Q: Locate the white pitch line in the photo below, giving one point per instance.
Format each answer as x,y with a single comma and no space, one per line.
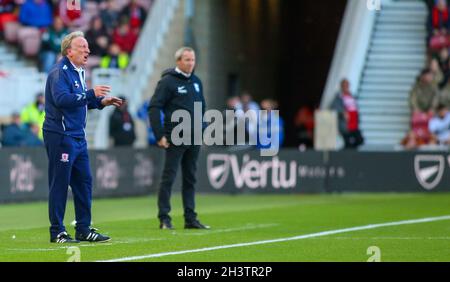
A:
306,236
216,231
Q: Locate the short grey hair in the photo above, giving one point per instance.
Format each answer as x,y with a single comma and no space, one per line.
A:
179,53
67,41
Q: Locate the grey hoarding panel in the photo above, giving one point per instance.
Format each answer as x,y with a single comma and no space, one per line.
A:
124,171
23,175
247,172
115,172
391,171
129,172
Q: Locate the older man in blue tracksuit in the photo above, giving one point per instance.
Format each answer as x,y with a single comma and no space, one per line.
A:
67,102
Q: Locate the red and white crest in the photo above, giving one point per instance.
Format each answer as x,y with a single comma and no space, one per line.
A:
65,158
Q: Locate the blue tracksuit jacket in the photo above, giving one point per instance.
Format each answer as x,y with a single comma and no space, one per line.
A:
66,102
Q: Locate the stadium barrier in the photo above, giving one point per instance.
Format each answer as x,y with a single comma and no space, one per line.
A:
132,172
116,173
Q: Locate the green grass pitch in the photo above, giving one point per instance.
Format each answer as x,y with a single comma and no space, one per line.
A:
133,226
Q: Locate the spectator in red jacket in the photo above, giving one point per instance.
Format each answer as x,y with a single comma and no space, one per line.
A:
304,126
348,116
419,134
440,17
7,12
71,16
125,37
134,13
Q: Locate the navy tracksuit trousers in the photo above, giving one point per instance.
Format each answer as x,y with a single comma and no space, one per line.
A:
187,156
68,165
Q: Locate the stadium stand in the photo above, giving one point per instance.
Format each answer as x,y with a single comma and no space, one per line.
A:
381,53
26,38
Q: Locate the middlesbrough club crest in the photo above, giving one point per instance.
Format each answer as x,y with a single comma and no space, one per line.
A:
65,158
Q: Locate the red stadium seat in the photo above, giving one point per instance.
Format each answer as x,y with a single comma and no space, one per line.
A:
31,46
30,40
27,32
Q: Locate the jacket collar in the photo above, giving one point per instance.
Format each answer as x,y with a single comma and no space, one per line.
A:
183,73
69,64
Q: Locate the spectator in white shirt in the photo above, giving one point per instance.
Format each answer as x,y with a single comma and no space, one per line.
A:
439,125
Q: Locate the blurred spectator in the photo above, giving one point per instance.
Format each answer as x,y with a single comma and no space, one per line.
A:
444,64
13,134
134,14
424,95
348,116
439,125
7,6
37,13
115,59
440,17
444,96
34,113
31,138
72,17
143,115
247,103
419,134
443,60
7,12
51,44
438,26
98,38
125,37
265,129
304,126
230,122
73,13
436,71
110,16
121,126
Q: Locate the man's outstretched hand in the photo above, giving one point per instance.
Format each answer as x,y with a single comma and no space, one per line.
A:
163,143
112,101
102,90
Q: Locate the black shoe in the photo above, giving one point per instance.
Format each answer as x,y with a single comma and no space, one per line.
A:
63,238
92,236
165,224
195,225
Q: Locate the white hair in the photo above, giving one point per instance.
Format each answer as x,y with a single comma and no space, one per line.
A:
179,53
67,41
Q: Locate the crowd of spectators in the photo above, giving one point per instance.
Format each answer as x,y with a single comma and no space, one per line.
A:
112,28
429,98
25,128
260,128
37,28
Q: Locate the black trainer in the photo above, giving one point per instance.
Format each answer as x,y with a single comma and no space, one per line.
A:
195,225
165,224
92,236
63,238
